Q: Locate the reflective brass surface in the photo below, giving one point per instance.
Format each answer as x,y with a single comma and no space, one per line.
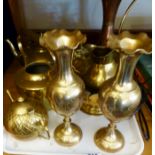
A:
66,90
67,134
29,51
26,119
131,43
32,81
58,39
95,64
120,96
109,140
91,104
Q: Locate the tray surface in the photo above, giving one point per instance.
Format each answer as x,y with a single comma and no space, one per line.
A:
89,124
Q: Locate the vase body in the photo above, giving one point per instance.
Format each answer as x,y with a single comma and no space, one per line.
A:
66,89
120,96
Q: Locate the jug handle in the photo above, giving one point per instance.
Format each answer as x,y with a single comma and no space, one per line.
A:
13,50
125,14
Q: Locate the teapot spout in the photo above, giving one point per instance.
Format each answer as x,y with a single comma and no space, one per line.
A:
13,50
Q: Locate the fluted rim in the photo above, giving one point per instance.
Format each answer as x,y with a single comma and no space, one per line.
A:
60,38
131,43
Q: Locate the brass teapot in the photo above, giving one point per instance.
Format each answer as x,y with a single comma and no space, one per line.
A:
30,51
26,119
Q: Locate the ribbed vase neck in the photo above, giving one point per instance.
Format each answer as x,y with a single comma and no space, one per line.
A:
64,64
127,64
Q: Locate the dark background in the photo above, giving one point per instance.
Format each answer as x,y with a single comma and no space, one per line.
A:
8,32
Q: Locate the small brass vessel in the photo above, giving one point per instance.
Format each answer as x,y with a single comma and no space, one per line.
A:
26,119
95,64
66,90
32,81
119,97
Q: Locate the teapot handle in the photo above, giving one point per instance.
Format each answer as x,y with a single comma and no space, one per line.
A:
13,50
10,96
125,14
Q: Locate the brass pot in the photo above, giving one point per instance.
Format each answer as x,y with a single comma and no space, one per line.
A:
32,81
95,64
26,119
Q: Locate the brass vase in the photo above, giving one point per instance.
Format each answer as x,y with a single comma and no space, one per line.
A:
66,90
120,96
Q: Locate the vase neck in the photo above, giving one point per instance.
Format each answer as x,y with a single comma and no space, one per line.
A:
110,8
127,64
64,64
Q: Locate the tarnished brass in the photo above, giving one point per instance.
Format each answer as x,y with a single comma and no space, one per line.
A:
120,96
110,8
26,119
32,81
97,65
66,90
29,51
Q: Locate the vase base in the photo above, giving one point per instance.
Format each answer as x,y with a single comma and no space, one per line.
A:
91,105
107,142
68,136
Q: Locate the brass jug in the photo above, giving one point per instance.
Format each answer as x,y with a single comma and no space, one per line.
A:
30,51
95,64
103,67
26,119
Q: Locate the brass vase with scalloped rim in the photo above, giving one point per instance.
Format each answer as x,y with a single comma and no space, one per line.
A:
119,97
66,90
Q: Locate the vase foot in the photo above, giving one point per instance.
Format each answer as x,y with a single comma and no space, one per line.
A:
91,106
68,136
109,142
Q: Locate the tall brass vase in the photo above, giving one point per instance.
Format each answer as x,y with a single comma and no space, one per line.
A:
66,89
120,96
